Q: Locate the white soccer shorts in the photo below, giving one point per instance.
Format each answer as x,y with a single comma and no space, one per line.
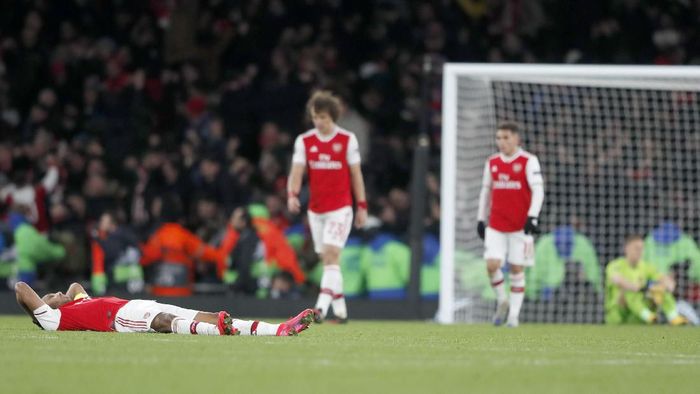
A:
330,228
517,248
137,315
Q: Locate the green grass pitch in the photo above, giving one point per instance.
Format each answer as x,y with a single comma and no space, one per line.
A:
360,357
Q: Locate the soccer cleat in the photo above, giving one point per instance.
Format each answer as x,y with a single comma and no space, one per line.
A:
678,321
225,324
501,313
318,316
513,323
296,324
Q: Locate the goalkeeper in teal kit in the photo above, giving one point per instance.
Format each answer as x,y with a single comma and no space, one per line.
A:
635,292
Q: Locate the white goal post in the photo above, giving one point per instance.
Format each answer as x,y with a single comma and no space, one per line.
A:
619,147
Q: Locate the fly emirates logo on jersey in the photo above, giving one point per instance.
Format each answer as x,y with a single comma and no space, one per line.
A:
325,162
504,182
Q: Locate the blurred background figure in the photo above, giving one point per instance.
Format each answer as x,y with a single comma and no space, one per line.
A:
31,247
115,257
170,254
245,250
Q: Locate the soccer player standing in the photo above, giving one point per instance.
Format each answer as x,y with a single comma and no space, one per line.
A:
332,157
514,188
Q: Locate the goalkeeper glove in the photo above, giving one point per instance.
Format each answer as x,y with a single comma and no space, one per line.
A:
481,229
655,292
531,225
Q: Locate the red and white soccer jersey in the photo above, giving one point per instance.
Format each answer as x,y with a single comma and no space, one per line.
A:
328,159
510,180
85,314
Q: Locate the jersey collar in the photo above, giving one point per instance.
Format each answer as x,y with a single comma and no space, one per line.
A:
326,138
508,159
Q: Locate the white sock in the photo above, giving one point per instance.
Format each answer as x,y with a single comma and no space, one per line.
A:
193,327
339,308
255,327
331,276
497,282
517,293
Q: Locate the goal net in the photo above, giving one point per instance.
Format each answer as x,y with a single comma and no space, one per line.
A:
619,148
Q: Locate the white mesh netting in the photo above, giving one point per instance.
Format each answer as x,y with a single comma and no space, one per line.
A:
620,155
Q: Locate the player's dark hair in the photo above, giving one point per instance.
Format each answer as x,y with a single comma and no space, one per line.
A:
632,238
510,126
324,101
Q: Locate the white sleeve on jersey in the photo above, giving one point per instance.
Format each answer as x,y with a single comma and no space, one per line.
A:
536,182
299,156
353,151
485,195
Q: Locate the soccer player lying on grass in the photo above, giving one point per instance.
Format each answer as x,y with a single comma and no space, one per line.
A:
76,311
635,292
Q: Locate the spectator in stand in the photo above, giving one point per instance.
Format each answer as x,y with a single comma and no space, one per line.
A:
244,249
115,257
31,247
171,252
23,191
278,253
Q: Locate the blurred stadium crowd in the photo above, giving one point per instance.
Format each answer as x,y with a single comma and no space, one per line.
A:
167,111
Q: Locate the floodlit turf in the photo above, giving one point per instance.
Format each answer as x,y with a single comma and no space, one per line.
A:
361,357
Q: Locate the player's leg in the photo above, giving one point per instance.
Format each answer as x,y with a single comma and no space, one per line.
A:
325,296
329,232
494,254
245,327
222,321
517,293
169,323
293,326
638,306
520,247
335,235
150,316
332,284
668,306
614,315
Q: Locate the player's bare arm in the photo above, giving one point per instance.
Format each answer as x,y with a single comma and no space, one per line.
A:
624,284
75,289
358,189
28,299
296,176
